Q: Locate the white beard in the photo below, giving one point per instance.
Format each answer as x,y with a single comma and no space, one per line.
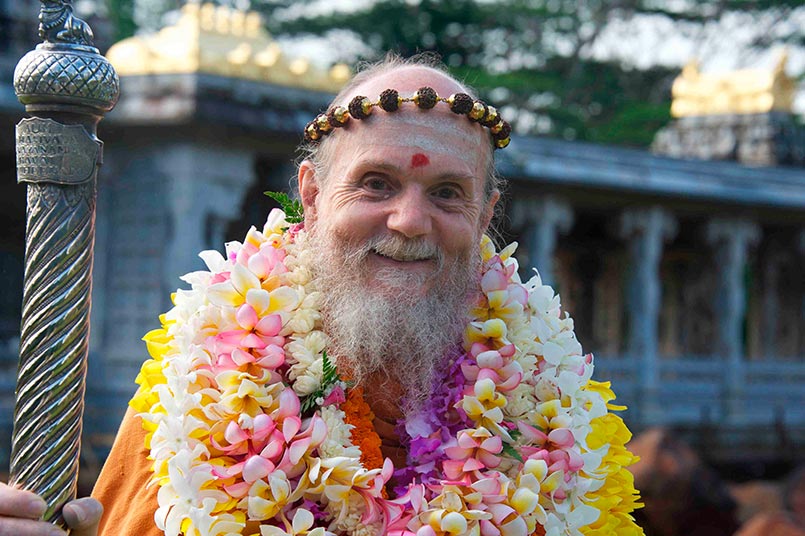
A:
390,330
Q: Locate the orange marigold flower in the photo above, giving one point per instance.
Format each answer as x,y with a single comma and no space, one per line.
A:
359,414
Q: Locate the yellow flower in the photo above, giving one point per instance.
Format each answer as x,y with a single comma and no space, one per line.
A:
151,375
265,500
604,389
485,407
487,248
617,497
241,394
494,328
450,513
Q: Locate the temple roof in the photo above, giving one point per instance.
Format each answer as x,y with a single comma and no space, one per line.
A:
738,92
586,165
221,41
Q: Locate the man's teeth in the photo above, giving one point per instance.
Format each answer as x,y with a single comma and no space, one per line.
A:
401,258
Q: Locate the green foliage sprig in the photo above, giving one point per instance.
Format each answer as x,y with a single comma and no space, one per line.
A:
329,379
509,449
511,452
294,213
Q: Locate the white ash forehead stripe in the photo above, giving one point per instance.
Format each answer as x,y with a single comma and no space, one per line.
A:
447,142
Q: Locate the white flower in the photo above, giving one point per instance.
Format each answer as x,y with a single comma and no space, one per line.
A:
307,384
520,401
302,321
305,350
306,358
302,522
214,260
213,524
275,222
300,276
338,442
348,517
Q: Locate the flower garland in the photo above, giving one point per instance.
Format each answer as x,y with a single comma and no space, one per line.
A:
251,431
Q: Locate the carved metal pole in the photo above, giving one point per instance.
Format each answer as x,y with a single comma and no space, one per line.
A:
66,87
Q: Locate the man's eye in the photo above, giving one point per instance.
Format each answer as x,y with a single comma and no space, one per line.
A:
447,193
377,184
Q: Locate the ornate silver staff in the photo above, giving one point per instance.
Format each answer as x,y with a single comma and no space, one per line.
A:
66,87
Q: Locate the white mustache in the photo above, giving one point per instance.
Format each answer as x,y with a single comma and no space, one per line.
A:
399,248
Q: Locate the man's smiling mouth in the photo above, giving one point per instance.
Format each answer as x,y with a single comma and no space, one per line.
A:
402,257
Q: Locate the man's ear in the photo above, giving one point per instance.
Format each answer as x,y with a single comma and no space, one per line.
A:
489,209
308,189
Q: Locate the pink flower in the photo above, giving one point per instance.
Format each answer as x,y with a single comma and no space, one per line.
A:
256,450
532,434
474,450
336,396
568,461
494,280
267,262
300,444
562,438
496,365
258,341
294,229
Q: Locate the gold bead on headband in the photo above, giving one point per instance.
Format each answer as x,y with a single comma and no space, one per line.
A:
425,98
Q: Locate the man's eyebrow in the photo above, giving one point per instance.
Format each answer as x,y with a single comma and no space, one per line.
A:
455,177
379,164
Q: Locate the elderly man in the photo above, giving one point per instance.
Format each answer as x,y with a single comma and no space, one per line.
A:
397,194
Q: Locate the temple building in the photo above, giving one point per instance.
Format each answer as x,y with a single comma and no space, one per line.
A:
682,267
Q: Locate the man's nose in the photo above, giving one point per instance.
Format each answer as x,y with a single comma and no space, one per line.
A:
410,214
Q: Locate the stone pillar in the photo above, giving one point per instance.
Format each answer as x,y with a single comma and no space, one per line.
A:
801,248
206,191
646,229
543,220
731,239
167,202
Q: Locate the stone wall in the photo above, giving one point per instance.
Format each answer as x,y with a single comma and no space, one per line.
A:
769,139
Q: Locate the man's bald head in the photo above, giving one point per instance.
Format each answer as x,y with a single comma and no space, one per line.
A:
408,73
406,76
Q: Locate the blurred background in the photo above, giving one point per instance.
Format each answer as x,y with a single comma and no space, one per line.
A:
656,180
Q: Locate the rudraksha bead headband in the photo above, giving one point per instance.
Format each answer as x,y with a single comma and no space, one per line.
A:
425,98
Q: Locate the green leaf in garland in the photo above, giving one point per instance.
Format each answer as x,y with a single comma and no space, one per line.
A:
294,213
308,403
329,372
329,378
511,452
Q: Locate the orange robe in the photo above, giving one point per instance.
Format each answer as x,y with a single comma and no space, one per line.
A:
122,487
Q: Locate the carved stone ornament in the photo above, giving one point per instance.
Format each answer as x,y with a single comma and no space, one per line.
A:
57,24
219,40
66,68
48,151
739,92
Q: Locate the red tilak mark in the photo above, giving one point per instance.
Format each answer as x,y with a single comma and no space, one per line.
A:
419,160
